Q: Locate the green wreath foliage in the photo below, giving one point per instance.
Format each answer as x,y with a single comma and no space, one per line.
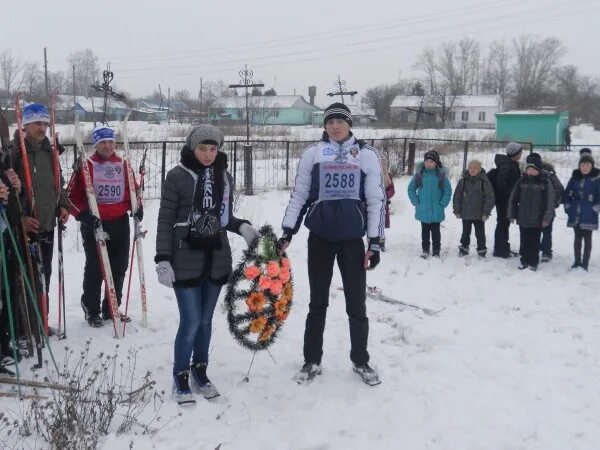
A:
259,293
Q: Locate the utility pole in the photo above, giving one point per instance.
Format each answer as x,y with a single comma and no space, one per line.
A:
340,85
74,97
46,75
169,106
246,82
106,88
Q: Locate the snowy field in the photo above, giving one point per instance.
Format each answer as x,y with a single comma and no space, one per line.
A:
511,363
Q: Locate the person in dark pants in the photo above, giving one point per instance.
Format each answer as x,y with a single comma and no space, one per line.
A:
531,203
339,185
50,205
507,175
582,205
430,192
473,202
548,169
110,178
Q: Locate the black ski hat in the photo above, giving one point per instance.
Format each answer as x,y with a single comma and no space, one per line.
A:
434,156
586,158
337,111
585,150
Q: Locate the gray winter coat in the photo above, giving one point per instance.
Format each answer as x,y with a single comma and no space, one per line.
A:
473,197
190,266
532,201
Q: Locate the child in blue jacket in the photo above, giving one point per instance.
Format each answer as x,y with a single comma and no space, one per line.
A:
430,192
582,205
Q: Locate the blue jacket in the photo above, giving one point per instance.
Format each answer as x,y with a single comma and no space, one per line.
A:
582,200
340,189
426,195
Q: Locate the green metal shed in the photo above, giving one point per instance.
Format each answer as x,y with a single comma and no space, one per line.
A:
545,126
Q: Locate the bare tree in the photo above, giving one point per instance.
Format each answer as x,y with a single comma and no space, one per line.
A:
380,98
535,62
58,82
10,68
86,70
32,81
496,70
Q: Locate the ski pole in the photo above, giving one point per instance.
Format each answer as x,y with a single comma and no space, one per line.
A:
44,335
11,324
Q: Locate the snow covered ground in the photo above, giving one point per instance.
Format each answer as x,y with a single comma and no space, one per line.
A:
511,363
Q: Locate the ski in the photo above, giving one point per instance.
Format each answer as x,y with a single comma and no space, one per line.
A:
135,196
62,324
377,294
100,235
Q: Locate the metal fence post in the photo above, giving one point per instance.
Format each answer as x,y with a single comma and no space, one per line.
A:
235,163
465,155
248,169
163,166
411,157
287,164
403,156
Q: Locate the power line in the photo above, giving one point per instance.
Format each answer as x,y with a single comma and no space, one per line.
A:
360,43
315,36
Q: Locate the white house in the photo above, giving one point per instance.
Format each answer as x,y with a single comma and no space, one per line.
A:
461,111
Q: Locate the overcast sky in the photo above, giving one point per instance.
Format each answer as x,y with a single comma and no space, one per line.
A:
289,45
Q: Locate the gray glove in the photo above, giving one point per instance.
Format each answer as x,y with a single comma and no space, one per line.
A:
165,273
249,233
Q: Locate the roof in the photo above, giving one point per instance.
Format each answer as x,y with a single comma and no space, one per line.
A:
265,101
468,101
544,111
65,103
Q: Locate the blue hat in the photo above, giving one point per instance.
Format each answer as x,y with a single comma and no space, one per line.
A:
34,112
102,134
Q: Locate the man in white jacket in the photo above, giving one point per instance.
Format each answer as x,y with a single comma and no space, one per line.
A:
339,185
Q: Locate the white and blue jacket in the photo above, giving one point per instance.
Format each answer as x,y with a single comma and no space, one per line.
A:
340,188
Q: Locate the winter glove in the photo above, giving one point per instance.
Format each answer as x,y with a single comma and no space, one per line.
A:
87,218
284,240
485,217
374,258
165,273
249,233
139,214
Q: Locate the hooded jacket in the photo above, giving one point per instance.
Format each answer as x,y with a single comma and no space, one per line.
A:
430,192
582,200
473,196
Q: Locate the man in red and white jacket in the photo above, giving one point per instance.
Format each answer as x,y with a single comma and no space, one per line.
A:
109,175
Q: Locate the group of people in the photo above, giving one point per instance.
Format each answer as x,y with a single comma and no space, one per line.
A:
527,195
342,192
37,208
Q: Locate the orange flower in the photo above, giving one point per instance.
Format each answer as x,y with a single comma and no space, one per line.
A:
281,316
256,301
276,287
285,263
281,309
284,275
264,283
288,290
258,324
272,269
267,333
251,272
284,299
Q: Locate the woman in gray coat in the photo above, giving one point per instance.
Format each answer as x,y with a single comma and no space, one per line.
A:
192,251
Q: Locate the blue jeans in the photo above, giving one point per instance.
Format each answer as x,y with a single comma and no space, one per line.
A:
196,308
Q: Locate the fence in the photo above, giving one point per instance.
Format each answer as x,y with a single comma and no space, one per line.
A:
273,162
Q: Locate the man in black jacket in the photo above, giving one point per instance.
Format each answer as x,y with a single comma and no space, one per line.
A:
507,175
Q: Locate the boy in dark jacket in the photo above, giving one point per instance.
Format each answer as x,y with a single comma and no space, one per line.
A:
507,175
531,203
582,205
548,169
473,202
